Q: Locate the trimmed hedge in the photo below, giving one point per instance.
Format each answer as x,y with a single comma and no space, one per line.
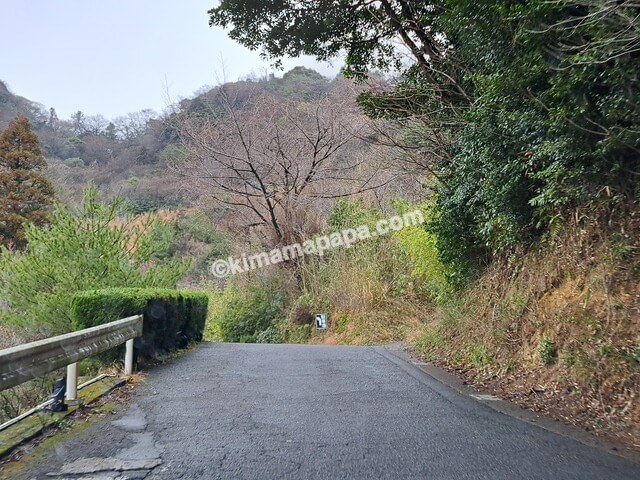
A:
172,318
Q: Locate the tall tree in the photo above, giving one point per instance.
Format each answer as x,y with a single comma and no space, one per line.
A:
25,193
272,160
111,132
53,118
78,120
367,32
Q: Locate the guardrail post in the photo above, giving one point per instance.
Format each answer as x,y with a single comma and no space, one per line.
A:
72,382
128,358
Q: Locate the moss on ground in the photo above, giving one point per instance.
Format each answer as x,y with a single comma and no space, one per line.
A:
34,425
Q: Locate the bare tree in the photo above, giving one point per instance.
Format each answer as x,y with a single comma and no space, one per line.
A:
94,125
272,159
134,124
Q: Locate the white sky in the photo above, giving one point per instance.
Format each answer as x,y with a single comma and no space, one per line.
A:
116,56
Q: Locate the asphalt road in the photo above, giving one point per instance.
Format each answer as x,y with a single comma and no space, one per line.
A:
326,412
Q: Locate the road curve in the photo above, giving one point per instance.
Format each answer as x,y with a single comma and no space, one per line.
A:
304,411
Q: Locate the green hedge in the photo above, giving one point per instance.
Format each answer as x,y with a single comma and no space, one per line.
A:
172,318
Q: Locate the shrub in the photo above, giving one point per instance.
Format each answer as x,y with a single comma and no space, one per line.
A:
217,305
145,202
301,315
302,311
291,333
351,214
548,351
407,264
242,314
85,247
74,162
198,238
420,251
200,227
172,318
271,335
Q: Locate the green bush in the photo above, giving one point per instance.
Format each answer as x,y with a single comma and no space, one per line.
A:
150,202
271,335
242,314
548,351
419,249
407,265
197,237
292,333
74,162
87,246
283,331
172,318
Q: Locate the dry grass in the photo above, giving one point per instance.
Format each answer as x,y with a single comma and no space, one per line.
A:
9,337
557,330
356,288
141,224
394,322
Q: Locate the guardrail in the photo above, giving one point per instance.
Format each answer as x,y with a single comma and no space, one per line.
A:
32,360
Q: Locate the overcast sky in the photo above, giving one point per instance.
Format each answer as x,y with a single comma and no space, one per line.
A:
117,56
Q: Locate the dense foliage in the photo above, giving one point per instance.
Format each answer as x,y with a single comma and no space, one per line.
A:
406,266
325,29
82,248
553,126
528,110
242,315
172,318
270,309
25,193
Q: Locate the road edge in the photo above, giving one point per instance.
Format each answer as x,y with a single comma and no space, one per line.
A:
397,352
32,427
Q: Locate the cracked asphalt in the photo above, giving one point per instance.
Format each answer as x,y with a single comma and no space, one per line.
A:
305,411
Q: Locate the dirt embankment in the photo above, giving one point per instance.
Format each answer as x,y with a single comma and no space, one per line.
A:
556,329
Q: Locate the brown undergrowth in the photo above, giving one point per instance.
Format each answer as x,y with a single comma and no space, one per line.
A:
556,329
394,322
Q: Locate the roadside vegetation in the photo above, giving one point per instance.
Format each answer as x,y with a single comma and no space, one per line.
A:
80,249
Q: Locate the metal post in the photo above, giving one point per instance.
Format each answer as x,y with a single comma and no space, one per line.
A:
128,358
72,382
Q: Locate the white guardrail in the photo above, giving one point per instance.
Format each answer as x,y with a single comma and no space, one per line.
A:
32,360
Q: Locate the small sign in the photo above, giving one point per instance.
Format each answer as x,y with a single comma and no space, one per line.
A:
321,321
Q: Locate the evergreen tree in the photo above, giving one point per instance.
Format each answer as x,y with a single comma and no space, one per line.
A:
111,131
25,193
78,119
53,118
